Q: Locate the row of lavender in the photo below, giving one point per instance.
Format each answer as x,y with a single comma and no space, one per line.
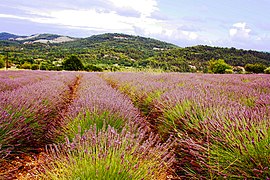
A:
90,130
221,122
29,111
10,80
106,138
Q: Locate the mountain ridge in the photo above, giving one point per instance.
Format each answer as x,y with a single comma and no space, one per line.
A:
36,38
7,36
47,36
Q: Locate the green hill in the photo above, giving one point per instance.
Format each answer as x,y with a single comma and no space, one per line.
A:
121,50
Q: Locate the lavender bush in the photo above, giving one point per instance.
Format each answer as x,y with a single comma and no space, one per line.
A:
29,115
112,141
100,104
221,122
10,137
222,128
106,154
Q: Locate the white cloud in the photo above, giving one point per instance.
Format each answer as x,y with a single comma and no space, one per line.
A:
144,7
243,37
172,23
190,35
241,25
92,19
111,21
167,32
12,16
109,16
240,31
89,18
113,16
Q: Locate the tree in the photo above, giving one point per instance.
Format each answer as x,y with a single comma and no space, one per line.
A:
73,63
2,62
255,68
218,66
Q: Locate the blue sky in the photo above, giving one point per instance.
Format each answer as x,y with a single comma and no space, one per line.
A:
242,24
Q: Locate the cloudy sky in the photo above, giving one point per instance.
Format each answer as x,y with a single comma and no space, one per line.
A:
232,23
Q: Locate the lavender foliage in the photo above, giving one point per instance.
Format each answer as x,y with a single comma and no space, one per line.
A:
98,103
106,154
221,122
29,114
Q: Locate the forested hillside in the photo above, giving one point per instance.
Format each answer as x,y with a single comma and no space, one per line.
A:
199,56
113,51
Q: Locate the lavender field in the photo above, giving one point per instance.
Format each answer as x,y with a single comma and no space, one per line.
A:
76,125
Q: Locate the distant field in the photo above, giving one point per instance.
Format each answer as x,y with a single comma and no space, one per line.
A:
75,125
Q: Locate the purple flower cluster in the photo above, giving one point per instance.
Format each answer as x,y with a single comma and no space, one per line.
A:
29,114
10,80
221,122
127,150
107,154
94,98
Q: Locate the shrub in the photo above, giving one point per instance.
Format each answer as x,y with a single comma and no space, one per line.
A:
91,67
26,65
255,68
35,67
218,66
228,71
114,68
267,70
43,66
2,63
